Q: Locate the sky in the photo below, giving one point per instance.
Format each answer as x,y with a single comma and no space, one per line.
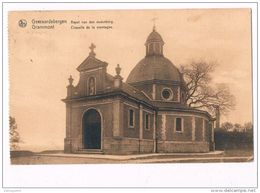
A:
41,60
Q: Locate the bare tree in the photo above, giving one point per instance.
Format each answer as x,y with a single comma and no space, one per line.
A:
201,94
13,134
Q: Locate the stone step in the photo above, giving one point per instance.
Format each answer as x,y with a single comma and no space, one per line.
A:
90,151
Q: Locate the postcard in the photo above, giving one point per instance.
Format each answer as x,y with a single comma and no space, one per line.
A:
130,88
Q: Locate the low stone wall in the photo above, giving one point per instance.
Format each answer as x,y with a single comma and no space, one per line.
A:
72,145
146,146
119,145
182,147
127,146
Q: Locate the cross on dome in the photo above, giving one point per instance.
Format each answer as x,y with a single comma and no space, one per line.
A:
154,22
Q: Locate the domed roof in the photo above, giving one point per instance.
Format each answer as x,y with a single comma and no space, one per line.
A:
154,67
154,36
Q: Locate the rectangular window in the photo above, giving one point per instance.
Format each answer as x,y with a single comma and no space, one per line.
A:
147,121
178,125
131,118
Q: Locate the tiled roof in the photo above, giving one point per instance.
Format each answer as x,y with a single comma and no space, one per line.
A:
154,36
134,92
154,67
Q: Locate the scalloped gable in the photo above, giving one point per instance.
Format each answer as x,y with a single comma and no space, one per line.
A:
91,63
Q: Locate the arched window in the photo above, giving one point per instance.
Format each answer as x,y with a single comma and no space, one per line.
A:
91,86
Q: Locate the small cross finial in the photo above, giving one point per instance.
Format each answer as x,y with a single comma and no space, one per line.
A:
154,22
92,47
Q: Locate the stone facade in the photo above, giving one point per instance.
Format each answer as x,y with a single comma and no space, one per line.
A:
105,114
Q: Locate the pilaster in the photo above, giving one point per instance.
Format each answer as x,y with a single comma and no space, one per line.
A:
154,132
116,118
203,130
163,127
193,128
141,122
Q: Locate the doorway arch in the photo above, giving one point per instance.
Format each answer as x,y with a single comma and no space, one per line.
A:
91,127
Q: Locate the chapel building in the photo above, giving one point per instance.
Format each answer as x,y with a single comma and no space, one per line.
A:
146,114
